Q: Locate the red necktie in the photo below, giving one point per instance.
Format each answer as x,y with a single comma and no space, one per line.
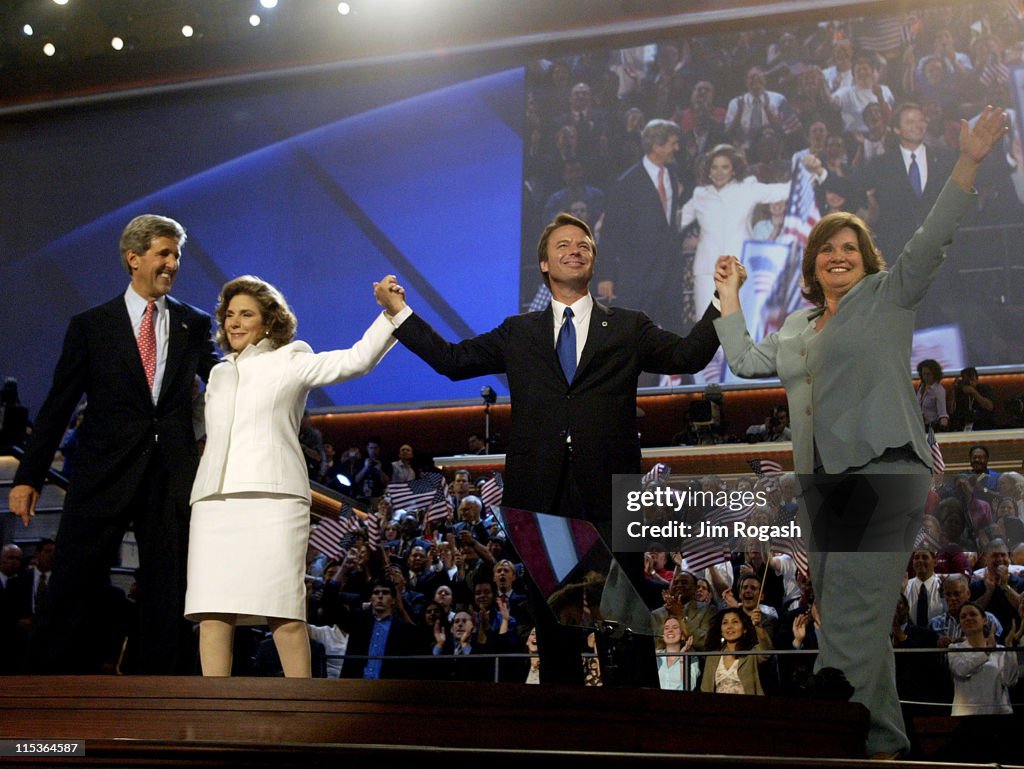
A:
147,343
662,193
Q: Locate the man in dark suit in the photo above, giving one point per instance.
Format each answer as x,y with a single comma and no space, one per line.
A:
136,358
381,633
642,265
903,185
15,604
574,421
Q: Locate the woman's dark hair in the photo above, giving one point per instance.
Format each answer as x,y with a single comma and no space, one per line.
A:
735,156
929,364
746,642
828,226
443,616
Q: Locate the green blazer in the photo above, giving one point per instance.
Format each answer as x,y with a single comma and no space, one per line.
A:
849,386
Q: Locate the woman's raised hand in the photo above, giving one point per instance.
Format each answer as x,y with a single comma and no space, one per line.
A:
389,294
977,141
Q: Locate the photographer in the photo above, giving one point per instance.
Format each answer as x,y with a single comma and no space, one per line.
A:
775,427
972,407
371,478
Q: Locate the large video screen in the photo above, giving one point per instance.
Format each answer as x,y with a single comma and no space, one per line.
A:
811,117
444,172
320,183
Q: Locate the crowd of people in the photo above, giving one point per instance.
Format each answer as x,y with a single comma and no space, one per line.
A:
434,587
732,123
453,591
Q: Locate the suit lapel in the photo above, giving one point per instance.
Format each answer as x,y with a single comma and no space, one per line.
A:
543,340
651,190
177,340
597,335
935,177
123,336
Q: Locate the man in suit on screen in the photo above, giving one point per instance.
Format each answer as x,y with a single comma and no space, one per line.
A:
643,263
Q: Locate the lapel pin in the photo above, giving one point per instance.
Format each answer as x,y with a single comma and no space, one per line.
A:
604,324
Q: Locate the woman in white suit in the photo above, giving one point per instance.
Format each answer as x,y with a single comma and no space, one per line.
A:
250,500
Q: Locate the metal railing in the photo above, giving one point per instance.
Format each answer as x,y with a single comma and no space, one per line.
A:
687,658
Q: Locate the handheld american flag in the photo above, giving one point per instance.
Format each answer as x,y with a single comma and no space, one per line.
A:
413,495
659,472
765,468
492,490
332,536
440,507
795,548
938,463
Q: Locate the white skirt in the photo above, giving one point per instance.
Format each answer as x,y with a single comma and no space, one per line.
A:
247,557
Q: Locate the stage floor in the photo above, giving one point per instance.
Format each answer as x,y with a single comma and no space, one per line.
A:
158,721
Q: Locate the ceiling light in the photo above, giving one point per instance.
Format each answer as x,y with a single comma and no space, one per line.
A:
255,20
268,3
116,43
187,30
344,9
61,2
27,30
49,49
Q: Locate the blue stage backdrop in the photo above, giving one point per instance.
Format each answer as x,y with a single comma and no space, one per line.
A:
319,186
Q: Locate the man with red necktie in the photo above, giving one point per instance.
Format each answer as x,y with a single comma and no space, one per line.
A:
135,358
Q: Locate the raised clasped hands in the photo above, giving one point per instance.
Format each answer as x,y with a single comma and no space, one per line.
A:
977,141
389,294
729,276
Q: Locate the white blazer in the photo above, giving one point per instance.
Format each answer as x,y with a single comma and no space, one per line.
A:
254,403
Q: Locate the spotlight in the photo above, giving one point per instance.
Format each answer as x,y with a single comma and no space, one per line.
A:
488,394
187,30
344,9
27,30
255,20
116,43
49,49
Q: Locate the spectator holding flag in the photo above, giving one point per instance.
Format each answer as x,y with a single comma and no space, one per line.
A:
250,500
869,427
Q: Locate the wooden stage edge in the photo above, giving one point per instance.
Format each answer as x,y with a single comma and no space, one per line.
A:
156,721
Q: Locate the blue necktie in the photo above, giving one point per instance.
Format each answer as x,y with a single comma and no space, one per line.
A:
915,175
566,346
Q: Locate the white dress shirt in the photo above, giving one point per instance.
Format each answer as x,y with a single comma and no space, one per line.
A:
921,156
654,170
581,309
161,325
936,603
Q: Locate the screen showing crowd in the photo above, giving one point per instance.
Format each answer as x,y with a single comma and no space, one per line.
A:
776,127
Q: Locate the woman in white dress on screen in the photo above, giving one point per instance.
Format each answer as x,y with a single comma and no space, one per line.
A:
250,500
722,205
